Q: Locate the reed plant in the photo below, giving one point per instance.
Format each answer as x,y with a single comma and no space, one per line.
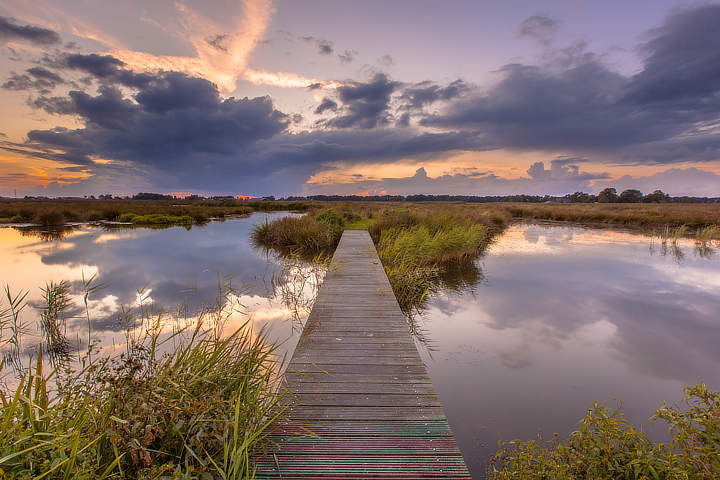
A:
180,402
416,243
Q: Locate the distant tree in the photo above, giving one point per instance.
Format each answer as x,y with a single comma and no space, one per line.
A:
609,195
631,196
579,197
658,196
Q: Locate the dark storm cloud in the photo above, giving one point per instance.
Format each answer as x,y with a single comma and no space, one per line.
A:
102,67
579,104
183,134
10,30
682,63
365,105
425,93
327,104
175,122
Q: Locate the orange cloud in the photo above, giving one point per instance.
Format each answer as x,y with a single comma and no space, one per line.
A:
220,58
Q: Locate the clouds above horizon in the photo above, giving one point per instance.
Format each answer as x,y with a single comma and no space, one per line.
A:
176,125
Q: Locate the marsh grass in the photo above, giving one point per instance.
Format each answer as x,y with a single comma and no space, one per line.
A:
648,216
416,243
606,446
182,401
55,213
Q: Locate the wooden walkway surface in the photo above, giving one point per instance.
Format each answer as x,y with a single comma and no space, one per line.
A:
359,386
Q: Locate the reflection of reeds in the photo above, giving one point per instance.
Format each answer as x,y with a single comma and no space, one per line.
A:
669,238
56,300
11,319
298,284
422,248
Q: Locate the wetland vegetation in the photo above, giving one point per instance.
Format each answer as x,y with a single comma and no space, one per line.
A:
183,400
54,213
167,408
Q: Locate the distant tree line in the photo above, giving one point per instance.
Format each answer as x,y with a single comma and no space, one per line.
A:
609,195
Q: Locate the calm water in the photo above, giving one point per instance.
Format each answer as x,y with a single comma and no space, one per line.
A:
159,268
550,320
566,316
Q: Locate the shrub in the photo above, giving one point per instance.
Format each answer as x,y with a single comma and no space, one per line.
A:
606,446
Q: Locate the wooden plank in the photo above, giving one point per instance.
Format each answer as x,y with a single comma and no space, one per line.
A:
350,428
360,402
365,400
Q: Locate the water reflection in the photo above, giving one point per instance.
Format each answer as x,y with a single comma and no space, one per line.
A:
209,272
563,317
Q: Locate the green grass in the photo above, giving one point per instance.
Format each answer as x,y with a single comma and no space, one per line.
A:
362,224
199,410
156,219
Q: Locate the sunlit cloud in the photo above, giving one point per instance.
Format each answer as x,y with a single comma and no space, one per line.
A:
220,57
286,80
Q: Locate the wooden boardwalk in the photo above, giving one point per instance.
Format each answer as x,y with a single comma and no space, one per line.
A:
359,386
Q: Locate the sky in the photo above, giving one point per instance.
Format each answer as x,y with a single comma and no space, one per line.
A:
290,97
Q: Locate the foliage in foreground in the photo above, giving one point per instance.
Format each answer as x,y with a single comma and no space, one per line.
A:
196,412
607,447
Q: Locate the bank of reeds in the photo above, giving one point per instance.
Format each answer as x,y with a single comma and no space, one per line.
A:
606,446
416,244
53,213
190,403
644,215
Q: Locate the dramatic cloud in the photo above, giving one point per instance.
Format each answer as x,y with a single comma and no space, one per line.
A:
179,131
365,105
103,67
682,65
219,57
580,105
10,31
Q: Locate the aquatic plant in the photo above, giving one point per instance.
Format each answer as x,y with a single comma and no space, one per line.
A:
182,401
606,446
416,245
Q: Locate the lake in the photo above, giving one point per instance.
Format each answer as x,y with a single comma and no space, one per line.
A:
552,318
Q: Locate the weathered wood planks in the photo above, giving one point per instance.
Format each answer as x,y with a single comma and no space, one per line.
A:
362,404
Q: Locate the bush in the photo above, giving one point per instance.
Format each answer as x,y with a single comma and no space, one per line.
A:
605,446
